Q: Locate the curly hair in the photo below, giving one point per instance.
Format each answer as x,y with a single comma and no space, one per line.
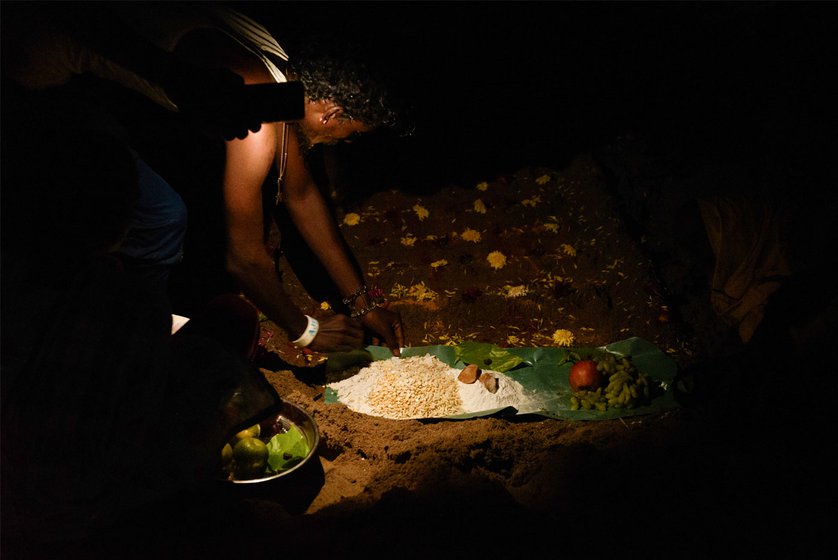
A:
346,74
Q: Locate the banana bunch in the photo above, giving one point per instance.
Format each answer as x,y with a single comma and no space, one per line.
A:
622,386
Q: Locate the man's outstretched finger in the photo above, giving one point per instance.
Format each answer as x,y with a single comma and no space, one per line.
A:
399,330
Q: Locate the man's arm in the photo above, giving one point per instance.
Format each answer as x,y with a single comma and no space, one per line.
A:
247,165
315,223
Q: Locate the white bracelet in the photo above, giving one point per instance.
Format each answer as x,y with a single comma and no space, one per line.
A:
308,334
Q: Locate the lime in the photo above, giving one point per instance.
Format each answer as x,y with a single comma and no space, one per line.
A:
226,455
250,456
253,431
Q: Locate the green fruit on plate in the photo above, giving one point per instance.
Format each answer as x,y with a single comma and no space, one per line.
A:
250,458
254,432
226,455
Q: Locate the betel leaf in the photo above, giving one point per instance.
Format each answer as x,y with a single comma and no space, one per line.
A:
287,449
487,356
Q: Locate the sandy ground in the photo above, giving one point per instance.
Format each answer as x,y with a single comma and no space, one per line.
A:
701,478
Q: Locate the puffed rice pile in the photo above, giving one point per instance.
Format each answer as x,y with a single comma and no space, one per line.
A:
402,388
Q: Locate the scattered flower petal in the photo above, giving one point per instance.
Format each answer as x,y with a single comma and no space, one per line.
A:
568,250
479,207
439,264
421,211
515,291
512,339
421,292
551,226
398,291
482,186
408,240
352,219
496,259
543,179
325,306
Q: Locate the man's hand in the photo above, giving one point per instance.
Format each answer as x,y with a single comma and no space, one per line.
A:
388,325
338,333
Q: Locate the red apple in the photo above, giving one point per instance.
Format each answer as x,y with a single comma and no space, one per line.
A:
584,376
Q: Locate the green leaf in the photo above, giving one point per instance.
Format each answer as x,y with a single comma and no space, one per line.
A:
288,449
544,374
487,356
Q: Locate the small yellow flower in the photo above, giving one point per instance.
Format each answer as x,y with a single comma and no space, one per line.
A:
471,235
496,259
482,186
439,264
544,179
551,226
479,207
563,337
568,250
421,211
352,219
325,306
408,240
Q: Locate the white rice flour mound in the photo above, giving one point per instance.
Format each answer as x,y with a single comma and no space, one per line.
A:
422,387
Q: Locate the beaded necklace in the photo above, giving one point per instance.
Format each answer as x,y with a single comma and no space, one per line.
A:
283,160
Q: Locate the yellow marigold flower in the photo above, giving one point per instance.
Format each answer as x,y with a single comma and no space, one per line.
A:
471,235
479,207
421,211
563,337
352,219
515,291
325,306
482,186
551,226
439,264
568,250
496,259
543,179
408,240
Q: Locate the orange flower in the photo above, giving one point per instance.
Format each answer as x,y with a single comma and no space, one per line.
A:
352,219
496,259
471,235
563,337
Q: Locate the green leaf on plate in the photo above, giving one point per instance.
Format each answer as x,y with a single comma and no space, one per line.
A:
487,356
286,450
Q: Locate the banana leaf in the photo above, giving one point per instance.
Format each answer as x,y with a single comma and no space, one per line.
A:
543,372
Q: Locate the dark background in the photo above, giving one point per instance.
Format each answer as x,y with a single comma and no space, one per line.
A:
497,85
